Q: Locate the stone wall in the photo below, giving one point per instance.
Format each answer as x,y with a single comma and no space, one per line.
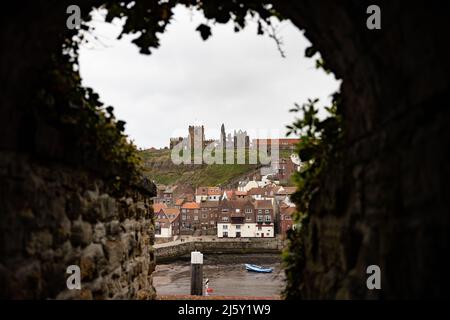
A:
168,251
52,217
387,202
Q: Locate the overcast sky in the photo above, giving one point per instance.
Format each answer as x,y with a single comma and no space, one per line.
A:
239,79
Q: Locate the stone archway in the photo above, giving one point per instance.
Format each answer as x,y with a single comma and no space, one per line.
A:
392,189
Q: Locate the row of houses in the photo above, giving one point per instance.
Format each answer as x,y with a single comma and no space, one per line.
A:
258,212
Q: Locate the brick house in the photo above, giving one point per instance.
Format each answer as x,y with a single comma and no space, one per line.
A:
286,219
209,212
165,195
190,217
166,222
265,218
208,194
173,214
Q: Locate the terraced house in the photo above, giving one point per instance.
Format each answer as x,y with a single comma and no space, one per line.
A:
190,218
246,218
167,222
208,194
209,212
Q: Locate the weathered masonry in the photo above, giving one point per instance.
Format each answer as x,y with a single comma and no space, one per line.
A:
53,217
167,251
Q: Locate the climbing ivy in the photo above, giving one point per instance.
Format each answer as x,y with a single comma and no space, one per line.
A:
318,148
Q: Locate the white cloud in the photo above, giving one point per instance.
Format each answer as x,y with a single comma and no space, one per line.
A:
238,79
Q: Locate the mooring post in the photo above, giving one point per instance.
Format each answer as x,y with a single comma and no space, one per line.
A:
196,273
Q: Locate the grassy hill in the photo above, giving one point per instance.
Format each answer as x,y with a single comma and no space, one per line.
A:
159,167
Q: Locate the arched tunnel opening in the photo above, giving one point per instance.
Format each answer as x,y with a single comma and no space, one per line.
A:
71,191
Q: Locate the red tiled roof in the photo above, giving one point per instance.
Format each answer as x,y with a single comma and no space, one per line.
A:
281,141
214,191
201,191
209,204
171,211
229,193
263,204
190,205
208,191
256,191
158,206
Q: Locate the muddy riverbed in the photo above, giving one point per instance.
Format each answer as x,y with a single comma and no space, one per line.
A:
226,273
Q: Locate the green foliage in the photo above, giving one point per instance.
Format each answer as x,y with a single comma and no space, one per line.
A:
310,52
148,18
318,148
95,137
159,167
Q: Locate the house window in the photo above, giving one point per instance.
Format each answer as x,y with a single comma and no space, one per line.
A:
248,210
212,222
238,227
259,211
183,217
204,216
259,228
195,218
260,218
225,227
267,218
267,211
224,218
248,219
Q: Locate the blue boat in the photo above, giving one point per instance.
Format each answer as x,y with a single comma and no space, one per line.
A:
255,268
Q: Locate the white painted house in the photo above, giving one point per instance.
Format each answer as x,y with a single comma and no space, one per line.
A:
246,230
165,229
246,219
208,194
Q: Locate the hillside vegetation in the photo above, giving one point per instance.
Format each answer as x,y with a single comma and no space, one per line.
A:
159,167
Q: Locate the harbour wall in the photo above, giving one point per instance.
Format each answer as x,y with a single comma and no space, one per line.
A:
170,251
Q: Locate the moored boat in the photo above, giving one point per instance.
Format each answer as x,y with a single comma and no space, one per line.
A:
255,268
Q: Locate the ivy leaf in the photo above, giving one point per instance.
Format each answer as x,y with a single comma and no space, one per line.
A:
310,52
205,31
120,125
260,28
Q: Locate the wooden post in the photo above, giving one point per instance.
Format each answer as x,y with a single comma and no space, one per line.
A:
196,273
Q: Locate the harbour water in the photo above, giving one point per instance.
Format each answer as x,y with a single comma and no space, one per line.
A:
227,276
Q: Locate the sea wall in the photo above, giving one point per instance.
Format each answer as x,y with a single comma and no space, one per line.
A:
169,251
